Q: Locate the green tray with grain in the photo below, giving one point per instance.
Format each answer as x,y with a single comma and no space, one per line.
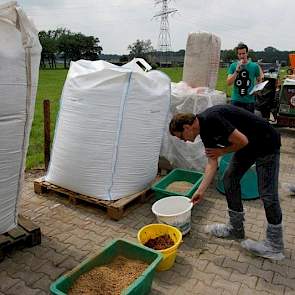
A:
178,175
118,247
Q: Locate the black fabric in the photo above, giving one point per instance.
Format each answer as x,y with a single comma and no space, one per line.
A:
246,106
218,122
265,100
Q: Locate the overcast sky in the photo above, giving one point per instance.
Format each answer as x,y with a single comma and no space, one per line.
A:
118,23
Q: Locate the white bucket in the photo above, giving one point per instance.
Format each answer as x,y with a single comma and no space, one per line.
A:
175,211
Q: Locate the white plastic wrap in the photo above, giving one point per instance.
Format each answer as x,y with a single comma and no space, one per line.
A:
19,68
109,130
185,99
201,61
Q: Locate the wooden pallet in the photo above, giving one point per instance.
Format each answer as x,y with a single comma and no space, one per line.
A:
26,234
115,209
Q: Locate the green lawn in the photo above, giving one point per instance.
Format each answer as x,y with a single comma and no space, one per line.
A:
175,75
50,87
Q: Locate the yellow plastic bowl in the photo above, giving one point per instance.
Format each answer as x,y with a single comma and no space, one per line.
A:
152,231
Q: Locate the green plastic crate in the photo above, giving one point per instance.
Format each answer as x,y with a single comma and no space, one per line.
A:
177,174
141,285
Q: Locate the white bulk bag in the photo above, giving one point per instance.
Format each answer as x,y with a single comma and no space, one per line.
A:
19,68
185,99
109,130
201,60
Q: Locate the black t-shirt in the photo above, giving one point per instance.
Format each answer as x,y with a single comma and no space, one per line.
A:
218,122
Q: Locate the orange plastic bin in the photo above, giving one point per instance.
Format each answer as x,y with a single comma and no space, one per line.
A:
292,60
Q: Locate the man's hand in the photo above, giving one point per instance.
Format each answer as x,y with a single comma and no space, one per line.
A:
210,170
197,198
238,68
237,139
213,153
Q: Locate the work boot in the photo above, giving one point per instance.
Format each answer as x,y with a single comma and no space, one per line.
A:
233,229
272,247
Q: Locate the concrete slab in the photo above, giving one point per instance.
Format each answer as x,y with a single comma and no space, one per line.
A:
204,265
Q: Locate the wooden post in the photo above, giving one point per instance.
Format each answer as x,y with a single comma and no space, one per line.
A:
46,113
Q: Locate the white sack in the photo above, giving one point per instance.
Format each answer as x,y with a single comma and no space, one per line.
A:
185,99
19,68
201,61
109,130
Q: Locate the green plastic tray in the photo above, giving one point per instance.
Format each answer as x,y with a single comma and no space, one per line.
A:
177,174
141,285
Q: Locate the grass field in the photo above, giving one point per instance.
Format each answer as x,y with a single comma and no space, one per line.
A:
50,87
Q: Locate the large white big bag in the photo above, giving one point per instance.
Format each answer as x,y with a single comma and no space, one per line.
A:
201,60
184,99
19,68
109,130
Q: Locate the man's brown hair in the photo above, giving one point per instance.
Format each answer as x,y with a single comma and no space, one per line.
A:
242,46
178,120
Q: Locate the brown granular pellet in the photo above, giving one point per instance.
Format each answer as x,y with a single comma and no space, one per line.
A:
109,279
179,186
160,243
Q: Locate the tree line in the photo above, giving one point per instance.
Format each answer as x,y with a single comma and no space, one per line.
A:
144,49
70,46
268,55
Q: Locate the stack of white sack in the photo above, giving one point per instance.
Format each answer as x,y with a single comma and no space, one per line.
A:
201,61
195,94
109,130
19,68
185,99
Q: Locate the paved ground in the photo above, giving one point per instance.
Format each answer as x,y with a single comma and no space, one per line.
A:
204,265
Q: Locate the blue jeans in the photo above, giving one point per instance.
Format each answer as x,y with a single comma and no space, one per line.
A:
246,106
267,168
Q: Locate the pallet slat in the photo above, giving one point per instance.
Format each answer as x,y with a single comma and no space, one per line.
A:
27,224
17,233
4,241
115,209
26,234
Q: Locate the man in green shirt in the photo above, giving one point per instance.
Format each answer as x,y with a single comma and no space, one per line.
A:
243,75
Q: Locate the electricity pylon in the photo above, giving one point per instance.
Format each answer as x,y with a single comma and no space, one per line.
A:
164,41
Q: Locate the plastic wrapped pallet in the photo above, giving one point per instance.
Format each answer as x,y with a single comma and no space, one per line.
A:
201,61
185,99
19,68
109,130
